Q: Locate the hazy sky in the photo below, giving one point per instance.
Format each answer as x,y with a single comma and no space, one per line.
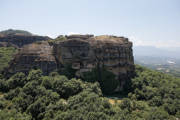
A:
145,22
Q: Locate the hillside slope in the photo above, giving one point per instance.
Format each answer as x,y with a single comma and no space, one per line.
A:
153,95
15,32
19,38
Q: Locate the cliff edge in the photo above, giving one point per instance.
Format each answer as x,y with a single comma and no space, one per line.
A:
82,52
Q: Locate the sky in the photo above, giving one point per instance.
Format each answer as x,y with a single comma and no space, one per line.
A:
144,22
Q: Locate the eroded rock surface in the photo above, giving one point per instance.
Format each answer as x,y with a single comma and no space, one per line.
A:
21,40
83,52
115,53
33,56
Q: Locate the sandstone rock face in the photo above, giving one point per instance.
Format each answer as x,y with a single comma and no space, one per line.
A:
33,56
6,44
87,52
83,52
21,40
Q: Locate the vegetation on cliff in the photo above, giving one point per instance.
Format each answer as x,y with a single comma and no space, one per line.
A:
59,38
6,55
153,96
105,78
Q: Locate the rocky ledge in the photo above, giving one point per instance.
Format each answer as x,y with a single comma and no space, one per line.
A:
21,40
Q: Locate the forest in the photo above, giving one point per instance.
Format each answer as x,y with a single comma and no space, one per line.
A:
152,96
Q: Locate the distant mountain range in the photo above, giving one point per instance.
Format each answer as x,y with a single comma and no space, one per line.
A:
151,51
165,60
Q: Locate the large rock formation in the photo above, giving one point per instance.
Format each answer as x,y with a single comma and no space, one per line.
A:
115,53
21,40
83,52
87,52
33,56
6,44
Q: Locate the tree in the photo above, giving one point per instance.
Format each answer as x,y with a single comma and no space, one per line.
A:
17,80
158,114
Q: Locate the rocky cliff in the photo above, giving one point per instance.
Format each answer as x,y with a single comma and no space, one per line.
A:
33,56
15,32
21,40
82,52
88,52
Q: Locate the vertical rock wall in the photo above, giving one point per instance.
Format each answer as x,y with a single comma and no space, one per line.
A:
21,40
33,56
83,52
115,53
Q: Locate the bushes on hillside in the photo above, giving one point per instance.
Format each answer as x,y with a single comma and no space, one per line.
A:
157,89
45,97
106,79
154,96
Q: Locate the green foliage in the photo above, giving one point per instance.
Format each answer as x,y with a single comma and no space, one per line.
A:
3,85
58,39
157,89
17,80
15,32
108,82
68,71
35,75
158,114
42,97
86,105
106,79
13,115
66,87
154,96
6,55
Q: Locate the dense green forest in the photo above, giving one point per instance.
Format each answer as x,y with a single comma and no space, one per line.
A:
153,96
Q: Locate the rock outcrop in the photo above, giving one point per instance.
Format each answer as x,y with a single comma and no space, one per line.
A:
21,40
83,52
33,56
6,44
88,52
113,52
